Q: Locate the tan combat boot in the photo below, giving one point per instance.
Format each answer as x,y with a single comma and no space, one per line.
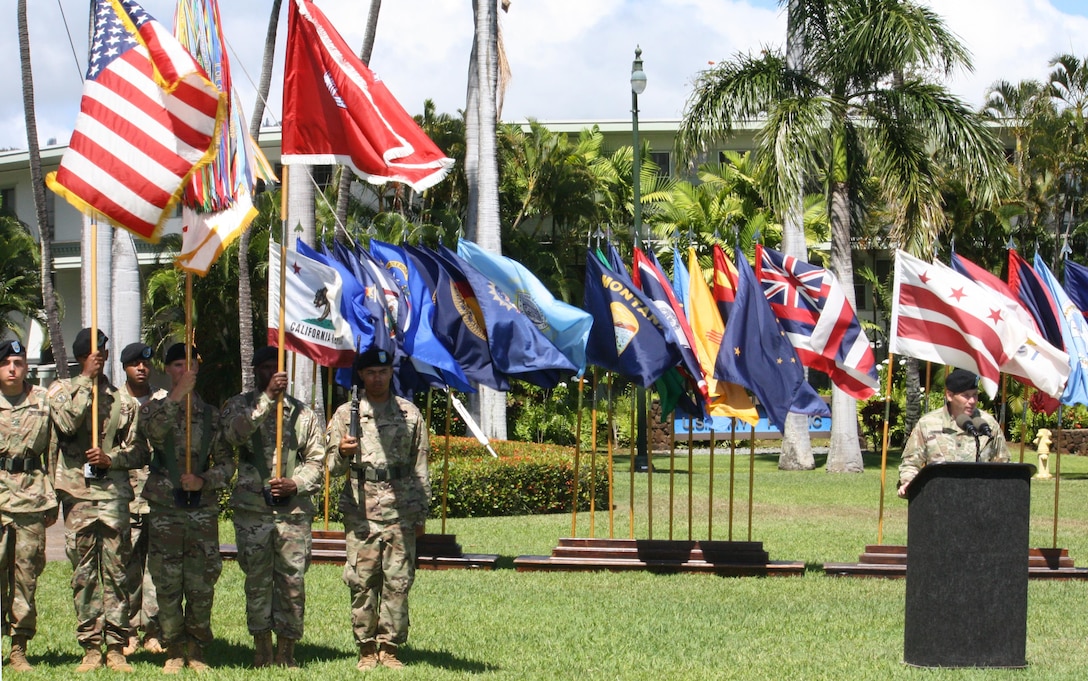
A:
175,659
285,652
368,656
153,645
17,661
115,658
262,649
92,660
387,653
196,658
132,646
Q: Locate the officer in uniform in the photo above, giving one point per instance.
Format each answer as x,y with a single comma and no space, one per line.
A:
384,505
143,612
27,502
939,436
273,512
183,555
95,498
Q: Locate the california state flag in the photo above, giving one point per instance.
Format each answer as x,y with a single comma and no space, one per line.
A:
313,324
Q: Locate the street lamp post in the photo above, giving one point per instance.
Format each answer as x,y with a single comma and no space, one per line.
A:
638,86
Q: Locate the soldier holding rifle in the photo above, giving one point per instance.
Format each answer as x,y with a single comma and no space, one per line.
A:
383,441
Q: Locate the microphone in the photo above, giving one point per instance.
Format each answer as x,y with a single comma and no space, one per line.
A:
965,423
980,424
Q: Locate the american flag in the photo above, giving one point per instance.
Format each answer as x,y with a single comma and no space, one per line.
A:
819,320
147,120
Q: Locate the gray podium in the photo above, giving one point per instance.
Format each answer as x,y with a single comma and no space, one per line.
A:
967,565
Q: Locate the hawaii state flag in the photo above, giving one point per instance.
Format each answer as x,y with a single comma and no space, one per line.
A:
335,110
821,323
314,325
148,120
939,315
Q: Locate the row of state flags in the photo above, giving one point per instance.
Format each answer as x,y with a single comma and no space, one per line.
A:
155,129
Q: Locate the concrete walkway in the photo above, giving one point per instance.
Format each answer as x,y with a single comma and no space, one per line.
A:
54,541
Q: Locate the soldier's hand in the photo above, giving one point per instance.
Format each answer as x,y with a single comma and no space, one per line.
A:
277,385
903,490
97,458
51,516
185,386
192,483
93,363
283,487
349,445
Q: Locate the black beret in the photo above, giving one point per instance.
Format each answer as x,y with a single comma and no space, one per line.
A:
960,380
81,346
177,351
269,352
373,358
134,352
11,347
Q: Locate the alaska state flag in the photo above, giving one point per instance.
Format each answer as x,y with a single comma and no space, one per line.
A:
627,337
756,353
566,326
1075,333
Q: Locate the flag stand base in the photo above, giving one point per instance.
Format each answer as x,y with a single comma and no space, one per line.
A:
722,558
890,561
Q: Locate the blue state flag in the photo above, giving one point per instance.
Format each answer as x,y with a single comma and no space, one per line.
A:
681,281
566,326
1076,285
757,354
627,336
518,348
458,322
419,340
373,298
614,260
1074,333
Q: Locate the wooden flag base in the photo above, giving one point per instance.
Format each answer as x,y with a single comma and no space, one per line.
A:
433,552
891,562
722,558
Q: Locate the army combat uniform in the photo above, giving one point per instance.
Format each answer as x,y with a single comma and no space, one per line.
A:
274,541
936,438
183,553
27,445
96,516
386,498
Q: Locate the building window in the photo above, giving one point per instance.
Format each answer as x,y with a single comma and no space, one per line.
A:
7,201
663,161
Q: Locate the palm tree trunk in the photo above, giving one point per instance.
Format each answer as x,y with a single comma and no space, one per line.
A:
301,225
127,299
45,227
245,294
343,190
488,406
844,453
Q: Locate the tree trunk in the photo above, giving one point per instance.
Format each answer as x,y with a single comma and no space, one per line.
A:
343,191
844,454
127,300
301,224
45,227
103,269
913,410
484,227
245,294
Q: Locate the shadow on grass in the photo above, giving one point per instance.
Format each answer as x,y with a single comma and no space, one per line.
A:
444,660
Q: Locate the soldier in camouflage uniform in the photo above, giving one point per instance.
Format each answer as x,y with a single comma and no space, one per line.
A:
27,502
95,498
184,555
937,437
384,504
273,513
143,612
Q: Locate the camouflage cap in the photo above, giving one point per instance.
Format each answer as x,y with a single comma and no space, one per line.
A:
11,347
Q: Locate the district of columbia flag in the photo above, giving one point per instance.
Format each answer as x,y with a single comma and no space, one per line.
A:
335,110
1036,362
939,315
314,325
149,118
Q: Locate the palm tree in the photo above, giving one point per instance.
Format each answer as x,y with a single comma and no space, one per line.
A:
1068,89
45,226
860,106
20,290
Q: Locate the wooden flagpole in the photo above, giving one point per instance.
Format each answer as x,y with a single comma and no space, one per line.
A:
751,477
884,445
189,367
732,470
609,441
577,458
94,329
446,462
328,417
283,321
1057,474
593,456
672,490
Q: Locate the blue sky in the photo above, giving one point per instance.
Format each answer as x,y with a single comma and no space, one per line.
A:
570,59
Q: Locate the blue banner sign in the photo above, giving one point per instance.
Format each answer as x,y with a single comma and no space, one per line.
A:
721,425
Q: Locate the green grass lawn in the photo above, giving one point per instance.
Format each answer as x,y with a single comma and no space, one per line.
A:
509,625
